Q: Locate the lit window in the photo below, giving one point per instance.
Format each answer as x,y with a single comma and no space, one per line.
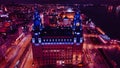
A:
39,39
67,39
78,33
33,40
50,40
60,43
53,40
58,39
74,40
54,50
48,43
36,33
44,40
61,39
47,40
64,39
70,40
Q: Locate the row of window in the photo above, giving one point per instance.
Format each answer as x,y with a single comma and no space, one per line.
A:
59,55
55,62
56,49
60,47
57,40
56,57
55,43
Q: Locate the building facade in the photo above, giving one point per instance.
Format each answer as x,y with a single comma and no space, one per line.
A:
58,45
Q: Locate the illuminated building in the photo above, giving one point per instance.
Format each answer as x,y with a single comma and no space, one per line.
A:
69,13
58,45
37,20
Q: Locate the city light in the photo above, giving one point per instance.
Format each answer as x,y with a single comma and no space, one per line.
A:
59,35
69,10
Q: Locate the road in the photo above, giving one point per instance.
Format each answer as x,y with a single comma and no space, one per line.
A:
93,58
14,48
8,45
14,54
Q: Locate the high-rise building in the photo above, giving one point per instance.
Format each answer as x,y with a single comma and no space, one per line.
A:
58,45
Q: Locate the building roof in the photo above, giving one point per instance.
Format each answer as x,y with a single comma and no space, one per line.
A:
60,31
